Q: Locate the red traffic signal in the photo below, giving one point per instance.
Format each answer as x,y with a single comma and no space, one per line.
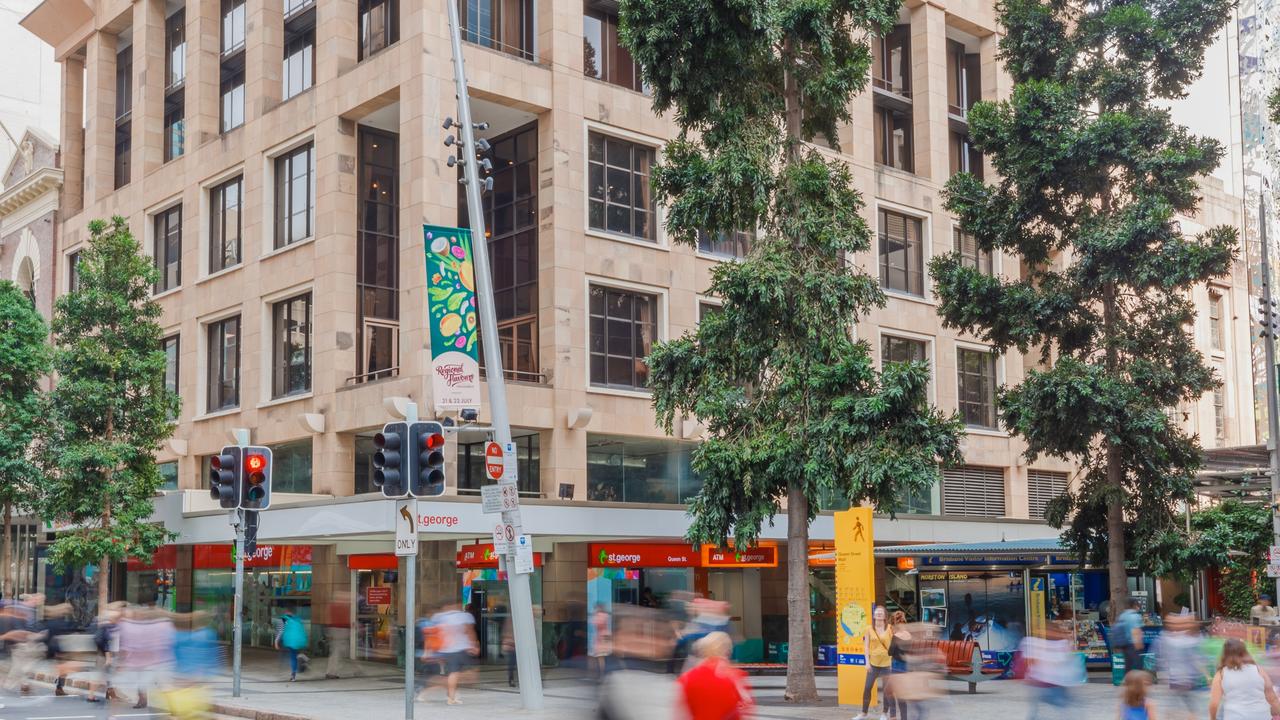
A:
255,491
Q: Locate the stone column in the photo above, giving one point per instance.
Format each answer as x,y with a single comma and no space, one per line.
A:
73,136
100,112
148,87
264,56
204,66
338,46
929,91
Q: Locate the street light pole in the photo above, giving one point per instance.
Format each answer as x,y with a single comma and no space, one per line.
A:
528,663
1269,345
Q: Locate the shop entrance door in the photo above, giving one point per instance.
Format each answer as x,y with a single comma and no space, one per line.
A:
487,598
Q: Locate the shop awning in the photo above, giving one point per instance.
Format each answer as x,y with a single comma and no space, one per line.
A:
1004,548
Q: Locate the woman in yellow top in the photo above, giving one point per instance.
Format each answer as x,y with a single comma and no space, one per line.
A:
877,641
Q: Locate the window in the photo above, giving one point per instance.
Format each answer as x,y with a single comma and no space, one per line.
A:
231,72
618,181
1215,322
124,150
511,219
977,387
224,364
970,254
603,56
295,195
292,7
291,467
901,350
175,32
299,51
124,82
73,271
893,132
168,248
1042,487
175,132
225,204
728,244
471,474
124,126
171,347
974,491
1220,413
964,157
623,328
964,79
505,25
891,61
901,253
707,309
168,475
377,255
291,346
644,470
379,25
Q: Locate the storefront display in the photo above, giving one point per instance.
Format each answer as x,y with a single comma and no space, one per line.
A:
375,580
986,607
485,594
153,582
277,578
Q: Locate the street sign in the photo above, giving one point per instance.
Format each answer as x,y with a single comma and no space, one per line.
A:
494,460
1273,571
524,555
1275,554
406,527
509,464
499,498
504,536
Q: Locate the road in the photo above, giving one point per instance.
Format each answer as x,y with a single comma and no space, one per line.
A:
43,705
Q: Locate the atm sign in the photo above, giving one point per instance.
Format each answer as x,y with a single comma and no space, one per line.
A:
765,556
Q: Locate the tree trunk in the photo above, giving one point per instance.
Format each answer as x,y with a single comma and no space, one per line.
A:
6,554
1117,571
801,686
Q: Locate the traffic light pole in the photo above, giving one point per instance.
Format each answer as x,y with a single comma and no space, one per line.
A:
1269,345
410,592
527,661
238,603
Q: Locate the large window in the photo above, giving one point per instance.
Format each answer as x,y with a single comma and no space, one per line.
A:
232,26
505,25
168,248
291,346
299,52
295,179
225,204
970,254
619,200
976,371
291,467
224,364
175,126
379,25
175,76
511,220
168,475
972,490
124,113
1216,334
377,256
171,347
964,156
603,55
964,79
623,328
901,253
891,61
232,65
727,244
471,474
902,350
893,133
642,470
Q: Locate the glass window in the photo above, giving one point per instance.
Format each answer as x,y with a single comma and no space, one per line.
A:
232,26
901,253
291,346
893,139
891,61
623,328
964,79
977,386
175,126
292,7
175,49
124,154
225,204
299,63
168,248
1215,322
295,195
291,467
379,25
642,470
168,475
377,255
706,309
224,364
971,255
901,350
232,88
471,475
171,346
1220,413
618,187
365,450
124,82
505,25
728,244
73,271
964,156
603,55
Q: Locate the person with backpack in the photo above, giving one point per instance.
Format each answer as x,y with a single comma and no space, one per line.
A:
292,636
457,645
1126,636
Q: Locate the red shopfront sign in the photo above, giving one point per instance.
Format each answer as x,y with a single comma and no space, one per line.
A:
764,556
651,555
378,594
481,556
373,561
166,558
219,557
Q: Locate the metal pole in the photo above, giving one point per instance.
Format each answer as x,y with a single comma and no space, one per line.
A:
527,661
1269,344
410,603
238,604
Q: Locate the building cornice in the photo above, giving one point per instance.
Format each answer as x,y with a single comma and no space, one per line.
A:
32,187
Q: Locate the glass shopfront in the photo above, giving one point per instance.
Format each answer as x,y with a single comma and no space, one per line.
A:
486,595
277,579
155,582
377,585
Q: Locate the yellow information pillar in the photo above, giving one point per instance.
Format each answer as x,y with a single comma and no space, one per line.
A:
855,597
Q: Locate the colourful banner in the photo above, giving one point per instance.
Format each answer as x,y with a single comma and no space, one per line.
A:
855,598
451,318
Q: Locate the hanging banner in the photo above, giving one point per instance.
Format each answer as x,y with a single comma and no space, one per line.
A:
855,600
451,318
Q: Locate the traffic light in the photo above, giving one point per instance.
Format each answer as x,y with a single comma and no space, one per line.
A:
225,477
250,533
428,478
1270,320
390,464
255,487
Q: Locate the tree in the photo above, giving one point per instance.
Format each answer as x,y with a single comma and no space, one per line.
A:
793,405
1233,537
110,407
24,360
1092,172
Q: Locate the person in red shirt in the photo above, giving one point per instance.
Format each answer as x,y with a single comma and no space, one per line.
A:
714,689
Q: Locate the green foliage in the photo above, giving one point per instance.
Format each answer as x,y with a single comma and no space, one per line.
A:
789,397
1092,172
1233,537
24,360
111,408
1273,104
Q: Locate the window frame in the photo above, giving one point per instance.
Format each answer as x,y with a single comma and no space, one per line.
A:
282,210
993,378
217,224
282,366
173,340
299,51
217,351
924,225
975,260
607,71
656,238
1217,327
160,242
73,270
390,30
496,36
882,133
659,321
371,242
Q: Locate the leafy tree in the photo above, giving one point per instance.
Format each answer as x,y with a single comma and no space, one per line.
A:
792,402
1233,537
110,407
1092,172
24,360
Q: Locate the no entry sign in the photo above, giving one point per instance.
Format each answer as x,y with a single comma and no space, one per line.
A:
494,461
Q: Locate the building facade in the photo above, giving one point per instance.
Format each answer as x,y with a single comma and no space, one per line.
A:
278,161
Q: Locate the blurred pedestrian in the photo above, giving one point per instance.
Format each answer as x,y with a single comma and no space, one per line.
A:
509,649
714,689
458,645
146,640
1241,689
1051,669
1179,659
1264,613
292,637
104,637
897,664
1135,704
601,640
26,637
339,634
876,641
1126,635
